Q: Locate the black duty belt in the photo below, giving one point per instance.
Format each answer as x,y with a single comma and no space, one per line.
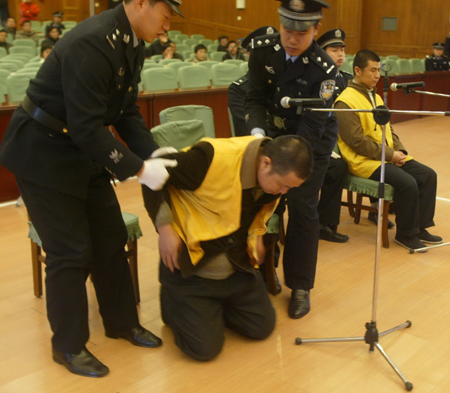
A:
43,117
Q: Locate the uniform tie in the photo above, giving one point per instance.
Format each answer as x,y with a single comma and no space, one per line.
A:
288,62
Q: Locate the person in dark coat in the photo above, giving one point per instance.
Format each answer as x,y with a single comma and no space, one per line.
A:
293,65
57,22
63,155
437,61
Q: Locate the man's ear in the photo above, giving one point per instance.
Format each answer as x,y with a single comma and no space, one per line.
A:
317,28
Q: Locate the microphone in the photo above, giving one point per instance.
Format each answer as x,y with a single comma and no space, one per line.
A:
287,102
407,85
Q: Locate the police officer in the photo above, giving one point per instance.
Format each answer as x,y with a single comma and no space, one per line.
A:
331,193
63,156
437,61
293,65
57,22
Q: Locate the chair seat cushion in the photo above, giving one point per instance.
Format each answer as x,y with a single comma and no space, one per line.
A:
367,187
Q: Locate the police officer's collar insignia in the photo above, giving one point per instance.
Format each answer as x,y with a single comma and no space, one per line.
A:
325,64
269,30
327,89
126,38
246,117
114,37
277,47
259,42
319,59
297,5
338,34
121,71
269,69
305,60
110,42
279,122
115,156
117,32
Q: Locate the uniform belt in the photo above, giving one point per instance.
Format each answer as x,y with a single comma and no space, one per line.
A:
43,117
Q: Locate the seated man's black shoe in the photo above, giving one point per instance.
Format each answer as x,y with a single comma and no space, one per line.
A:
84,363
299,304
427,237
410,242
138,336
328,234
373,216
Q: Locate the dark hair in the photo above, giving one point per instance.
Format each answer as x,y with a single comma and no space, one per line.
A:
290,153
53,28
198,47
3,31
26,21
45,46
222,36
363,57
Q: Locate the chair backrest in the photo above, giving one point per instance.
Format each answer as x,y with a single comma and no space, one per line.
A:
19,62
23,49
178,134
69,24
347,66
234,61
11,67
212,48
187,54
17,85
197,36
180,38
3,52
208,64
243,68
404,66
394,66
217,56
146,66
176,66
25,42
206,42
159,79
156,58
393,57
190,112
223,74
417,65
168,61
182,48
33,64
35,25
3,88
29,71
190,41
195,76
35,59
173,33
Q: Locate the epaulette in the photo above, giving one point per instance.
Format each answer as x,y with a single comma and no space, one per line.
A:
115,35
241,80
429,57
263,41
347,74
323,62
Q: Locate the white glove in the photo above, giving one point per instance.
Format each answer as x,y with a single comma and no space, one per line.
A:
335,155
162,151
259,135
155,174
258,132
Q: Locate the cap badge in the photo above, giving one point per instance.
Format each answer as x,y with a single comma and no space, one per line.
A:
338,34
126,38
305,60
269,30
121,71
297,5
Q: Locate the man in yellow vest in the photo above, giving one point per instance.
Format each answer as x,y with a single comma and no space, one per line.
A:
210,217
360,142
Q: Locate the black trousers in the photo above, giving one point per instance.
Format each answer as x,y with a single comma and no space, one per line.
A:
415,195
329,207
302,235
82,237
198,309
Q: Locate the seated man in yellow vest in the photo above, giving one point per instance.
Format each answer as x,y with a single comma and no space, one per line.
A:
210,217
360,143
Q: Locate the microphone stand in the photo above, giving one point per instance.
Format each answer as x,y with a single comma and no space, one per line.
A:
412,90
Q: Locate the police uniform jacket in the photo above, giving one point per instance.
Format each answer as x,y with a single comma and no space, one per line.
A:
433,63
89,81
312,75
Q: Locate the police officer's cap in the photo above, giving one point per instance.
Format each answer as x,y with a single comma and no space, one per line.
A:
438,45
265,30
59,14
175,5
300,15
333,37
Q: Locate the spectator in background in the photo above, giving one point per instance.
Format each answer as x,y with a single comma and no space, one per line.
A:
157,47
170,52
223,43
28,11
201,54
57,22
233,52
52,37
437,61
46,48
4,11
27,33
3,43
11,26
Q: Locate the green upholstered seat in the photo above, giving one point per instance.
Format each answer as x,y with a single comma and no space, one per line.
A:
178,134
190,112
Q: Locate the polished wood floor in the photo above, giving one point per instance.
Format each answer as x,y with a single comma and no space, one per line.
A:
411,287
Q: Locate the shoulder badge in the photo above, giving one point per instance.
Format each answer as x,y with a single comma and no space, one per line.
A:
113,36
264,41
241,80
327,89
319,57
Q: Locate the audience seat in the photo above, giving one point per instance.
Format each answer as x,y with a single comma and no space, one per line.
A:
182,47
177,65
18,62
197,37
243,68
190,112
17,85
11,67
417,65
192,77
178,134
168,61
208,64
146,66
216,56
190,42
25,42
3,52
404,66
394,66
23,49
212,48
180,38
159,79
223,74
234,61
206,42
173,33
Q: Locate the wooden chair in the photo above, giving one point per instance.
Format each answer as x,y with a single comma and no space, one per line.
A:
369,188
134,233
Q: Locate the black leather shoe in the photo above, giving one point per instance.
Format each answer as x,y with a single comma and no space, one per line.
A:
327,233
84,363
427,237
299,304
410,242
373,216
138,336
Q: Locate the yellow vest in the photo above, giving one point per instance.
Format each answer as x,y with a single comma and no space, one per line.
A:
214,209
359,165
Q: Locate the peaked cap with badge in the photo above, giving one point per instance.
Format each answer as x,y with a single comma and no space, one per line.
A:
300,15
333,37
438,45
175,5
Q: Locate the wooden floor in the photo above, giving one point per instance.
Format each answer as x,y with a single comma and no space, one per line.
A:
411,287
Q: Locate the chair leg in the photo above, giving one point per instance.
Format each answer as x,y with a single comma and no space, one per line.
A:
384,228
132,259
358,205
351,205
36,268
